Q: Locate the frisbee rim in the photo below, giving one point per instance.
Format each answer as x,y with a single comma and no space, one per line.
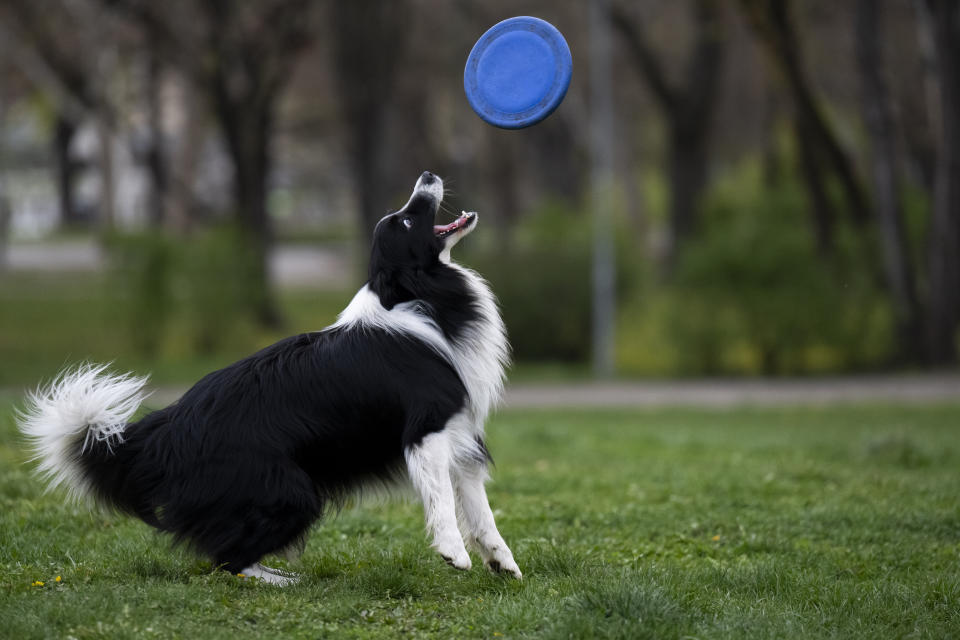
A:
548,102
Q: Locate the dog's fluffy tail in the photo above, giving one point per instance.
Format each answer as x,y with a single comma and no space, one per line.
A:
84,408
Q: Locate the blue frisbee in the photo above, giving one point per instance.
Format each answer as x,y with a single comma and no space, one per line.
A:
518,72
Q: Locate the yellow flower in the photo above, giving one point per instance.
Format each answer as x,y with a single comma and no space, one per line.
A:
37,583
240,575
715,538
58,579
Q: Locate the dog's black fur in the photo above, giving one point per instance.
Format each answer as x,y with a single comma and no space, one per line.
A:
254,453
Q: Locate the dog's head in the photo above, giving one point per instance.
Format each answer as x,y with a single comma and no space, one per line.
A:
409,249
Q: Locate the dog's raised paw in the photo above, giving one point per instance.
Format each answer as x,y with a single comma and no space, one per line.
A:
461,562
505,566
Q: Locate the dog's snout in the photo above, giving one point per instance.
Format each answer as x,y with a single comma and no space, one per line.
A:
429,184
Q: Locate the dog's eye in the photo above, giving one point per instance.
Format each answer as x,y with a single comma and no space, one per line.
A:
408,223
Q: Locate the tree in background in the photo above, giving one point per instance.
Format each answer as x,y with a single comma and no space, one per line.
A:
943,22
687,107
926,325
76,55
368,49
887,197
47,42
240,55
382,97
821,154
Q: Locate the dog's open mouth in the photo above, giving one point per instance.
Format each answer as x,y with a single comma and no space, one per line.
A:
464,221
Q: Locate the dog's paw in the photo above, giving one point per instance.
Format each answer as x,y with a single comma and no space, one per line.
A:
461,562
502,562
269,575
457,558
454,553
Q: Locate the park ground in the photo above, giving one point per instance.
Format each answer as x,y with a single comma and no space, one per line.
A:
734,508
833,521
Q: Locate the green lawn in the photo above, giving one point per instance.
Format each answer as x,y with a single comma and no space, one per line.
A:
792,523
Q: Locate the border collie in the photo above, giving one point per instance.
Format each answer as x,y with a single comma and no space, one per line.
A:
253,454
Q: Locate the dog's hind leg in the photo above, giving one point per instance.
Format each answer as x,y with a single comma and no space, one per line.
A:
261,532
428,464
270,575
476,518
271,509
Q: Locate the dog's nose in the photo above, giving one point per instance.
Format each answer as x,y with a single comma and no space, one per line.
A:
427,178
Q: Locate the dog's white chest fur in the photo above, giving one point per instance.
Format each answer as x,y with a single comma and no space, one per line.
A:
482,352
479,355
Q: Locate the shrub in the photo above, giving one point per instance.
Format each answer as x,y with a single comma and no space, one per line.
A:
541,273
750,294
173,289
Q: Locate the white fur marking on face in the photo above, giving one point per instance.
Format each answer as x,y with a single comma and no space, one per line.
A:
452,239
434,189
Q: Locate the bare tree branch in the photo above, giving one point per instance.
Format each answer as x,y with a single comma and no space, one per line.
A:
687,108
643,53
771,21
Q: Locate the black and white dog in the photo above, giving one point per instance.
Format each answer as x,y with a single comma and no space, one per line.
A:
253,454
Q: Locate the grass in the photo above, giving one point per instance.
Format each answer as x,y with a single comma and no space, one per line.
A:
775,523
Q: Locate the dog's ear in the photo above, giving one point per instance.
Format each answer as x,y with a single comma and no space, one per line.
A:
394,287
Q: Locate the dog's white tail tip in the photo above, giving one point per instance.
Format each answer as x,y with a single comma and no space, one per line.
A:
79,408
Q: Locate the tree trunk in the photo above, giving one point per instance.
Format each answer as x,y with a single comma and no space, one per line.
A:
369,43
107,185
180,207
771,21
898,269
367,129
5,223
687,108
688,177
156,156
64,130
944,250
822,215
248,128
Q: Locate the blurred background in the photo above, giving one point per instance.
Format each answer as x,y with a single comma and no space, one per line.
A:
731,187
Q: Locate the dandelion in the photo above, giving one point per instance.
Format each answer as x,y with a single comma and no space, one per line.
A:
715,538
58,579
37,583
240,575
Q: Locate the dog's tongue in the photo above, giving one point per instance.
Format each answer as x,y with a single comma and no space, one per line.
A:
453,226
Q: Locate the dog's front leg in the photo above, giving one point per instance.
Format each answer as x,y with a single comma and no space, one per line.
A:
428,464
476,518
